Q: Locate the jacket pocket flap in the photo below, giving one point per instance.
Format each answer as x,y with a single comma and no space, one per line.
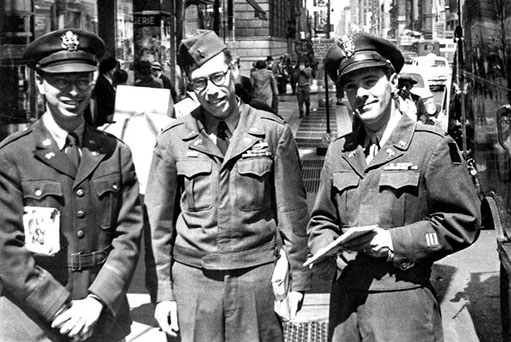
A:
110,183
192,168
254,166
41,188
345,180
398,180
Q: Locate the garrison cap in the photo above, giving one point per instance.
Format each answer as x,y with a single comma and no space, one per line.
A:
67,50
361,51
195,51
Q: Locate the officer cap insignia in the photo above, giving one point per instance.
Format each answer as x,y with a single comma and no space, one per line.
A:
49,155
347,44
70,41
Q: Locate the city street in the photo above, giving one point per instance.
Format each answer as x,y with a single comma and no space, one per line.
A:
467,283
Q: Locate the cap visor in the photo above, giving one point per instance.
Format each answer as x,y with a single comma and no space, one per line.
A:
362,65
68,67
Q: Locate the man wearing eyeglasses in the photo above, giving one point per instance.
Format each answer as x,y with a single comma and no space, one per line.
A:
71,221
225,191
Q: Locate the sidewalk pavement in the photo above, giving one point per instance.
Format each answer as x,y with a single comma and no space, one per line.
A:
457,278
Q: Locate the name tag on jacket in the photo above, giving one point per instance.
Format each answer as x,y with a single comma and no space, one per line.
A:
41,226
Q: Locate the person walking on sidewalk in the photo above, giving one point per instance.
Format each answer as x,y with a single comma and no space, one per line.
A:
71,220
403,183
225,188
264,86
303,88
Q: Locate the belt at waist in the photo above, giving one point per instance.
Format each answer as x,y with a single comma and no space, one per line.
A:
79,261
226,260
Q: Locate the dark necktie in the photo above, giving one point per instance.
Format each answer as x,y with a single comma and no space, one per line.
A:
72,149
221,136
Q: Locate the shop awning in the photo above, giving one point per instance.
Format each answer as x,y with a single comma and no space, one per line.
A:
259,12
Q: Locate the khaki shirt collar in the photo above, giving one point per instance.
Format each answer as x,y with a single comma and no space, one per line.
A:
59,134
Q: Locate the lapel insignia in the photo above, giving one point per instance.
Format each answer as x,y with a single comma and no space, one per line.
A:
390,152
47,142
197,142
49,155
351,154
401,143
95,153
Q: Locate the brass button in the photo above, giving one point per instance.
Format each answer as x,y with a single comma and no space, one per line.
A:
115,187
80,214
38,192
80,234
80,192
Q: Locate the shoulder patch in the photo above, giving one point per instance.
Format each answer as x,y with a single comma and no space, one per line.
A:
454,153
15,136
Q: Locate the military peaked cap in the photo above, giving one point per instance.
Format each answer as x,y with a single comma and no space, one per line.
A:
67,50
361,51
195,51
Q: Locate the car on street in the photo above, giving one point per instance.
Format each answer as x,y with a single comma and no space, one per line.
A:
436,68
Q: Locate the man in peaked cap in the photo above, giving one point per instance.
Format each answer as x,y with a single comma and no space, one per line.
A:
225,196
405,187
71,220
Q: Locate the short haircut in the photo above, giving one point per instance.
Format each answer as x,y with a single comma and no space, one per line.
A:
107,65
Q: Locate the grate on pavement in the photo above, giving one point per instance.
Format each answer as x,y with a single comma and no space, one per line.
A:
311,171
305,331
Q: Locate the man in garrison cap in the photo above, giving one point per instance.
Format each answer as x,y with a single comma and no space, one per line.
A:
224,198
71,219
402,189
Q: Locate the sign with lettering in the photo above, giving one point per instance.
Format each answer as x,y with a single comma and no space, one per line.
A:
321,46
146,19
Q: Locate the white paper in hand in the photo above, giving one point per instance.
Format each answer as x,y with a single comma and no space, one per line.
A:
349,235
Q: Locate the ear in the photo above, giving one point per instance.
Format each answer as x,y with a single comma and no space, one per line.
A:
235,70
40,84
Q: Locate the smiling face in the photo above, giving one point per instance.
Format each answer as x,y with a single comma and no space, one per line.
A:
369,92
67,96
218,99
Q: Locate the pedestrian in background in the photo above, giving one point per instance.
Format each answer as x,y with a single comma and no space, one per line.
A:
225,187
303,88
407,186
144,75
104,93
410,103
167,84
263,84
71,219
282,76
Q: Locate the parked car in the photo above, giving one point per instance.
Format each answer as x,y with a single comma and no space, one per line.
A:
436,68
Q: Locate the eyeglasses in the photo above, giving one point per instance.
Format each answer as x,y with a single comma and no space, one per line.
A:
217,79
63,82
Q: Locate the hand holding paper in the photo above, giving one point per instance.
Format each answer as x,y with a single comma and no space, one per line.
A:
341,242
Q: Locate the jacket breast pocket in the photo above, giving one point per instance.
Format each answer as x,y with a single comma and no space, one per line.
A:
107,191
197,183
399,191
251,181
345,184
42,193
